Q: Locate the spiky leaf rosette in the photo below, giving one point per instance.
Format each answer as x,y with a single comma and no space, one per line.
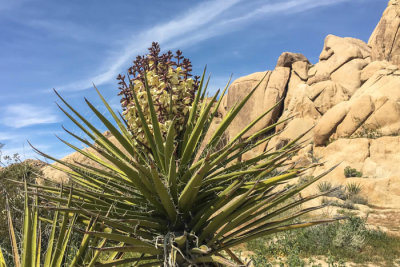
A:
55,248
164,204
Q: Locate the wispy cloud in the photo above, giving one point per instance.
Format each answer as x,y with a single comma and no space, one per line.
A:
282,7
199,24
21,115
163,33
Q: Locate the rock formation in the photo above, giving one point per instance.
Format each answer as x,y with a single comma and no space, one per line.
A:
385,39
350,99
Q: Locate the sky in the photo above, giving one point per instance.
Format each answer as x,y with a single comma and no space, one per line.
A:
69,45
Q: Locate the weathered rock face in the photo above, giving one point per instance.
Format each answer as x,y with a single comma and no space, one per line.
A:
351,97
377,160
374,108
385,40
272,89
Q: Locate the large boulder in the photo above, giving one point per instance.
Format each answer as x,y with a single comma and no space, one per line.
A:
328,123
238,90
357,115
272,89
327,94
385,40
337,52
287,59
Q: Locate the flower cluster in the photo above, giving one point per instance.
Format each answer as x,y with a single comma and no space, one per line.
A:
171,86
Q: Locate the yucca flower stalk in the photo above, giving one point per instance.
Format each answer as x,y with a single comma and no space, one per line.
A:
157,198
172,91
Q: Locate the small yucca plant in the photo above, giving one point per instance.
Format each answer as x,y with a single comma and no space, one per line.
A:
30,252
160,200
353,188
324,186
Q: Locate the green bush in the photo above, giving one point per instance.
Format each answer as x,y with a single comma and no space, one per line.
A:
351,172
324,186
13,170
351,235
353,189
339,193
348,240
346,204
357,199
349,194
367,131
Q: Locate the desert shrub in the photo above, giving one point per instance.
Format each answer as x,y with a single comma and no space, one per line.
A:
349,194
305,179
348,240
339,193
353,189
357,199
347,204
13,170
324,186
351,235
367,131
351,172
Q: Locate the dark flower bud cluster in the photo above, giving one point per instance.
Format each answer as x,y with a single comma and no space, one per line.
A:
171,86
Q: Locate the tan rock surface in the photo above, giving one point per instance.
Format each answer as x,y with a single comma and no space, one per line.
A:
328,123
327,94
358,113
337,51
371,68
385,40
301,69
377,159
239,89
349,75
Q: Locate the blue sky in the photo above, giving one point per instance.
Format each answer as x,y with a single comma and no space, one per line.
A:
67,45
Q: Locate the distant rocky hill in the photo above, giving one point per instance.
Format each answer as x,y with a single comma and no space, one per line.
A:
352,99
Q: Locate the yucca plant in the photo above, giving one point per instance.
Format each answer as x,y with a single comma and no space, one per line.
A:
353,188
324,186
29,253
155,196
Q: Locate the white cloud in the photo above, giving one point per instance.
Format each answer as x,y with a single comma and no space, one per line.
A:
163,33
21,115
202,22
